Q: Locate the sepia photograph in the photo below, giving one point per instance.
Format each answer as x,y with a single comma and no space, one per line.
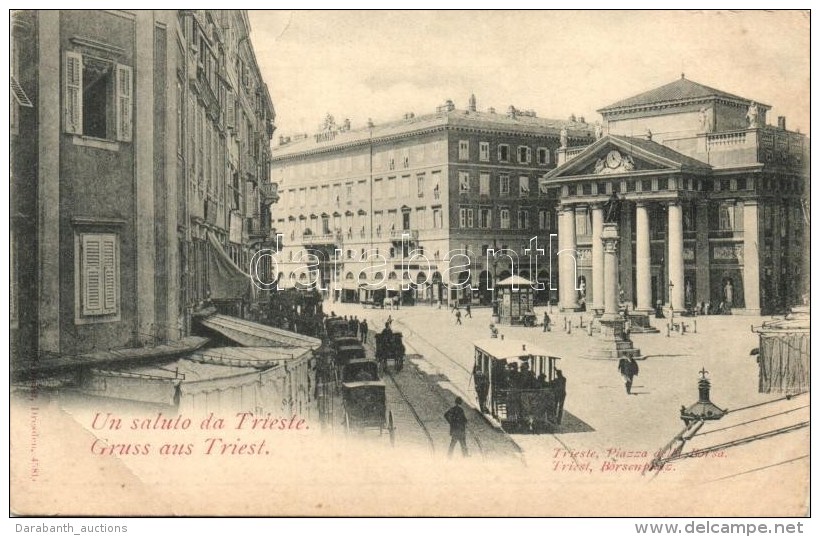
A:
409,263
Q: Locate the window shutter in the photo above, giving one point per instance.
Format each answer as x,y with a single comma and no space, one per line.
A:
73,94
109,266
231,111
124,99
92,268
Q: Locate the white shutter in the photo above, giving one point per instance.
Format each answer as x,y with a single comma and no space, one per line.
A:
124,102
92,265
231,113
73,94
110,270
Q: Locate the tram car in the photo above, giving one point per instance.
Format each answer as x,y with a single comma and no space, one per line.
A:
519,384
389,346
363,398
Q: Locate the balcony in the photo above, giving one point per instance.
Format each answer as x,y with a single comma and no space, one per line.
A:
269,192
324,239
397,234
258,230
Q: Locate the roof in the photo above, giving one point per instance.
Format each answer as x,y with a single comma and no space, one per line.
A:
258,357
682,89
454,118
503,349
250,334
514,280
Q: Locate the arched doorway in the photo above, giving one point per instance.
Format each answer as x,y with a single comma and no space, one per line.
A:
485,292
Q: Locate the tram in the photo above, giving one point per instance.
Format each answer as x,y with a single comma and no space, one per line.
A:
519,384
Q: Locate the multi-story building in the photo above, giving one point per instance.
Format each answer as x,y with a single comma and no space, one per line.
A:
360,207
714,204
135,135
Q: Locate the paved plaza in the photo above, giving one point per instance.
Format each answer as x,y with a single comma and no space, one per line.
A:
599,414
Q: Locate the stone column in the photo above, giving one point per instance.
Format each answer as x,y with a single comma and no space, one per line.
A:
675,240
643,275
751,259
567,261
597,257
610,247
703,285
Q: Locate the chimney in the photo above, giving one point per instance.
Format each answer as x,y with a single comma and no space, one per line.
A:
448,104
491,110
471,105
369,123
581,120
781,122
511,112
346,124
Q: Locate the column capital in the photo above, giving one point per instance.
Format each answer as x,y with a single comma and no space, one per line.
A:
751,201
642,203
596,205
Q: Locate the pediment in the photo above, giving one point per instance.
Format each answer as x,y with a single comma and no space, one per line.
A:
612,155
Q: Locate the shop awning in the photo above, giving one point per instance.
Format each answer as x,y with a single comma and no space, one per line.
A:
225,279
252,334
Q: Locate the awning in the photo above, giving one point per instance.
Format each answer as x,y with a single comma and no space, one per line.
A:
252,334
225,279
256,357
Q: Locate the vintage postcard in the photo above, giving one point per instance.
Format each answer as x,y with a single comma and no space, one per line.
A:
409,263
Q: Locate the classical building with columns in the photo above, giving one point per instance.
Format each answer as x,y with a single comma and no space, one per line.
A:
712,204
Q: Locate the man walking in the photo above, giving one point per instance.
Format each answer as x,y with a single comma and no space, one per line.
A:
546,322
560,394
363,330
458,428
628,369
458,316
468,312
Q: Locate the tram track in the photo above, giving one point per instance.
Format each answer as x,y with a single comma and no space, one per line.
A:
413,411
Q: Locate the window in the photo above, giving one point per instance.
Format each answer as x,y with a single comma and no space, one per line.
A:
524,154
391,187
98,275
421,221
504,184
349,192
437,223
505,218
377,188
485,218
484,184
420,185
523,186
465,217
726,216
97,98
503,153
484,151
405,186
543,156
463,182
523,219
391,161
436,183
543,219
405,157
463,150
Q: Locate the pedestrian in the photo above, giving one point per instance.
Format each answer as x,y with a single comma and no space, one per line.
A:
468,312
458,428
363,330
560,384
482,387
547,322
458,316
628,369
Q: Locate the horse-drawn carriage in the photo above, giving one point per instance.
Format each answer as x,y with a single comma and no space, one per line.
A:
389,346
519,384
363,398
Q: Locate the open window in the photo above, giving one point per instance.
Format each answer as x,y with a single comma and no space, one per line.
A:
98,97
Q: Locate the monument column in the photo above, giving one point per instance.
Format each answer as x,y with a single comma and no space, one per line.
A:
610,247
751,260
702,252
567,261
643,276
597,257
675,241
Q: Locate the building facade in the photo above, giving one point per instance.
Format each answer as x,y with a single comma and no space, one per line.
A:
409,208
713,204
134,135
